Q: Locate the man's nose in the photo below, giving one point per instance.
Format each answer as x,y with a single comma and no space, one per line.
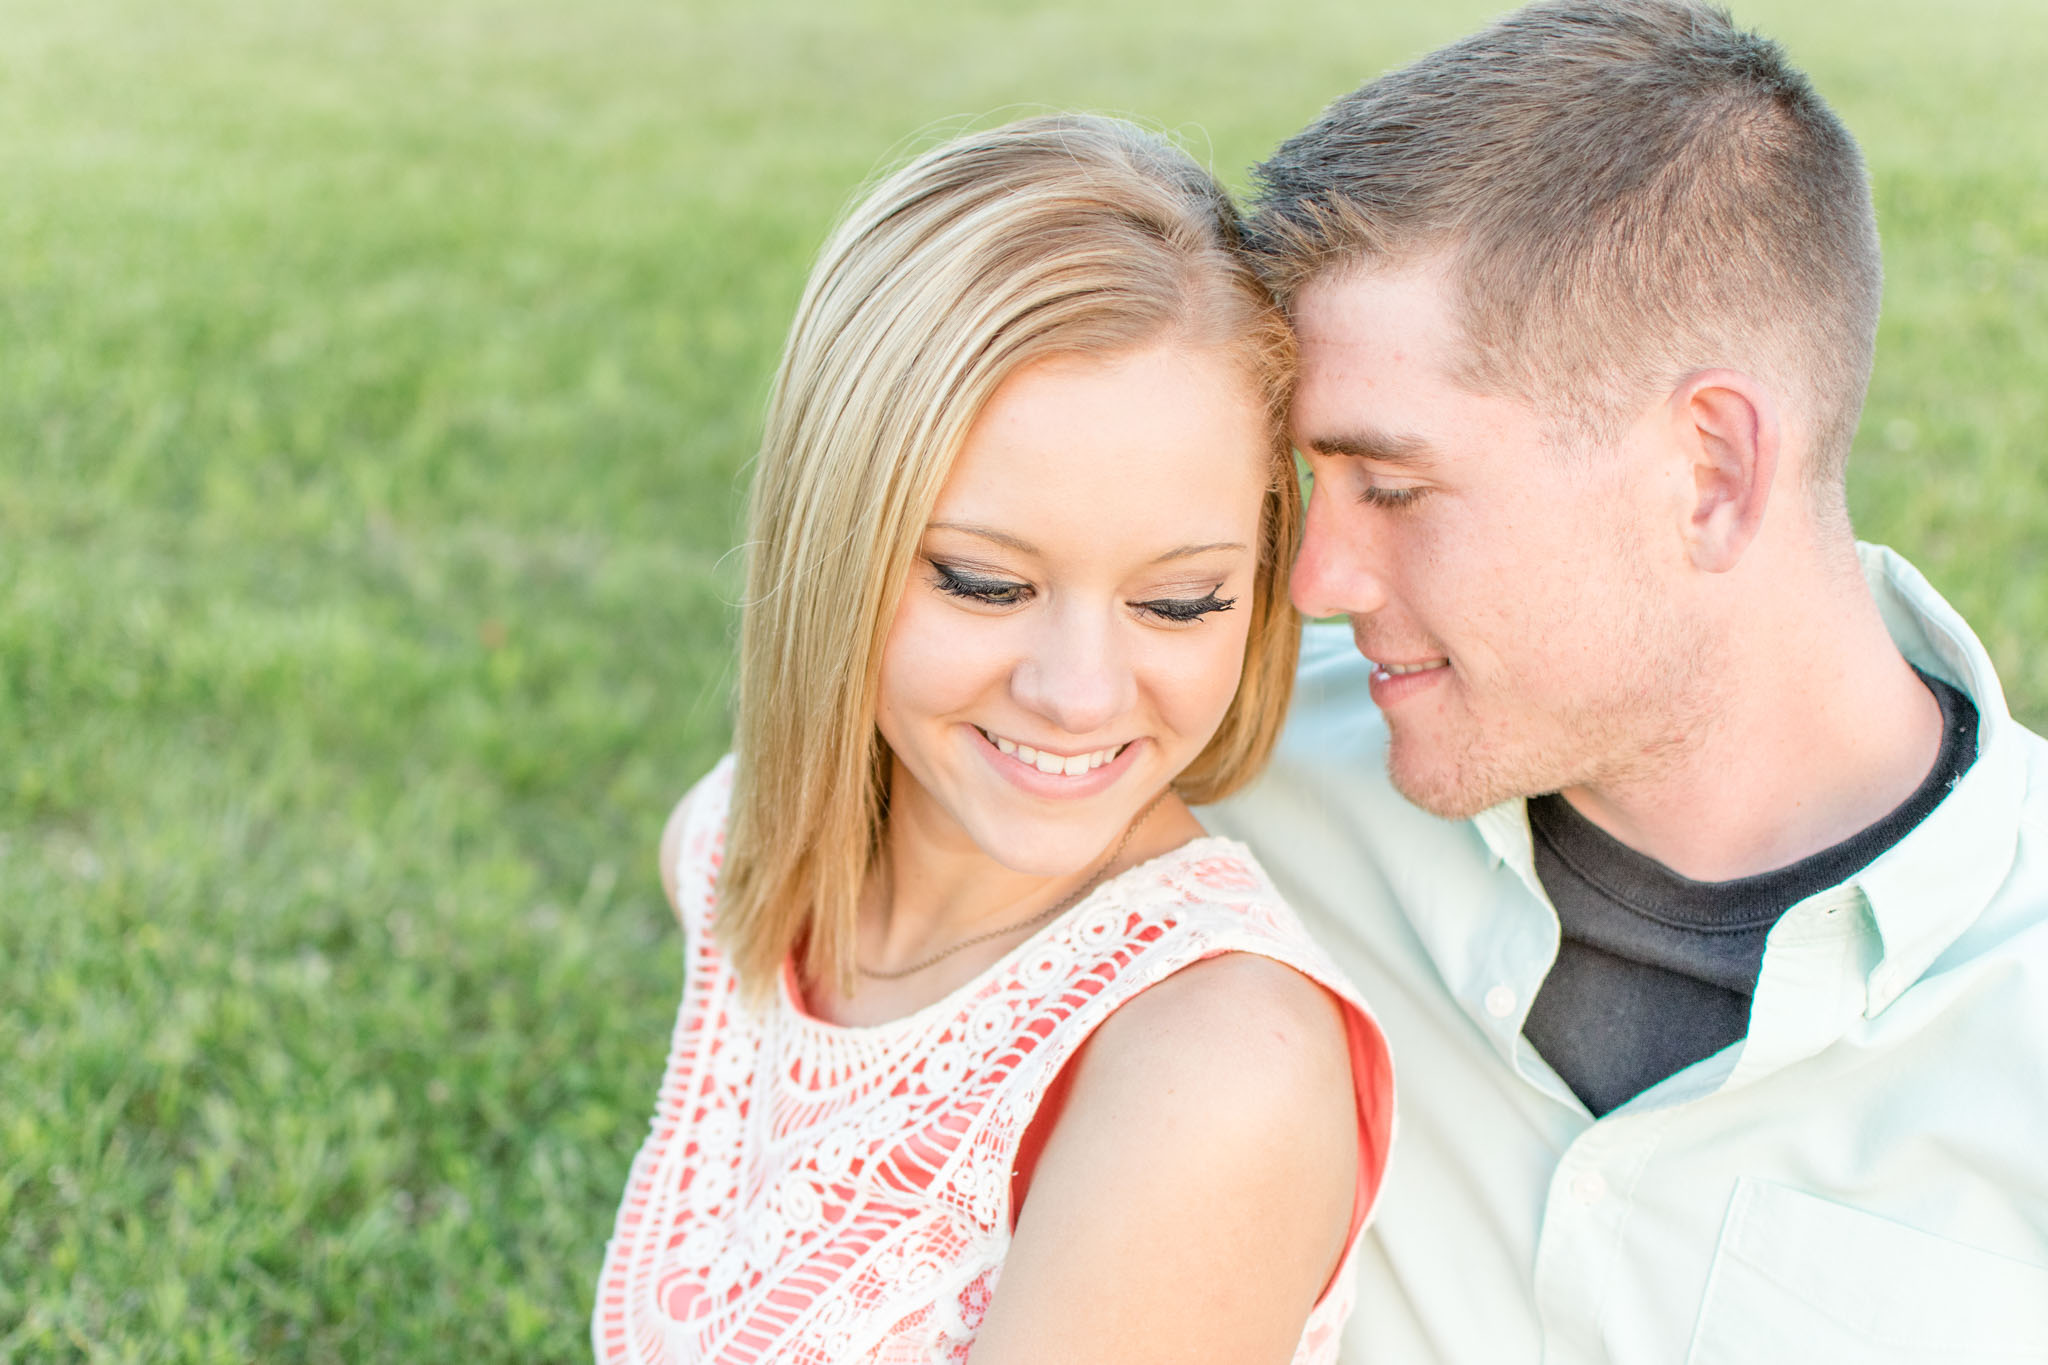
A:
1335,573
1076,675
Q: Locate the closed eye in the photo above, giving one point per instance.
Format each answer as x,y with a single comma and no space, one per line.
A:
1391,499
1181,609
994,592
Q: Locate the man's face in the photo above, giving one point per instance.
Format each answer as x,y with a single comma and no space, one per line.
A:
1519,600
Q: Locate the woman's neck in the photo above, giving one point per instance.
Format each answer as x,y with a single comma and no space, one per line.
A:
934,889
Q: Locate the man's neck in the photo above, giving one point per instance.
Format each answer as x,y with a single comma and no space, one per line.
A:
1828,731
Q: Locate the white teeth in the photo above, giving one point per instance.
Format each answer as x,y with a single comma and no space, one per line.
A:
1051,764
1398,670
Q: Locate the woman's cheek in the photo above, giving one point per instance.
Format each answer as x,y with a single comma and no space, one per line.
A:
937,657
1197,681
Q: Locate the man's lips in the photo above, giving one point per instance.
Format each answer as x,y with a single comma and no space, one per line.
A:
1389,670
1391,660
1396,678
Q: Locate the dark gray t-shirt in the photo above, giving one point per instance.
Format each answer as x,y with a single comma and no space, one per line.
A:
1656,971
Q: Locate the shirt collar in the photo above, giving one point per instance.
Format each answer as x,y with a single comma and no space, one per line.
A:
1505,830
1932,885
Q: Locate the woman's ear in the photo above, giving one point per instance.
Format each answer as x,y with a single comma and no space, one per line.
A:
1726,424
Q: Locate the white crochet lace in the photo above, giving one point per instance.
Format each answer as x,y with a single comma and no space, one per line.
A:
815,1194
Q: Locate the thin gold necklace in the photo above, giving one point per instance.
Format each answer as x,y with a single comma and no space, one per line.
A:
1041,917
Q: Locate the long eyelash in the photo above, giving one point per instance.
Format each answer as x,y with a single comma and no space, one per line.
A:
994,592
1391,497
1187,608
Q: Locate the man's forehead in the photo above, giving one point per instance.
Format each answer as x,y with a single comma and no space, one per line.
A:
1334,306
1382,371
1366,330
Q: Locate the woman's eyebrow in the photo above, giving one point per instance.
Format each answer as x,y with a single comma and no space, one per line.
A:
1026,547
986,533
1189,551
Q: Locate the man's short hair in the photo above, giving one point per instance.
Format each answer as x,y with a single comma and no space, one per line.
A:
1625,191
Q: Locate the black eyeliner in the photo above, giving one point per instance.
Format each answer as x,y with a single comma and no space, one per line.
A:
1188,608
959,583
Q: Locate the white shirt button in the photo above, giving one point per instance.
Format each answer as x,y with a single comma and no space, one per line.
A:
1500,1002
1589,1187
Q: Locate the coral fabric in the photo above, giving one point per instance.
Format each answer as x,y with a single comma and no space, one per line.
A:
817,1194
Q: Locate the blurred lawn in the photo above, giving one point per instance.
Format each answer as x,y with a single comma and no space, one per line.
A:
375,383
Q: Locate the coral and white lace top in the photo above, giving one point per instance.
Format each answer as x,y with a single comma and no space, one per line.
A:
816,1194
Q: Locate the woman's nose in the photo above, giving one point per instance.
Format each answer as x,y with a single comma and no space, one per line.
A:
1076,675
1336,573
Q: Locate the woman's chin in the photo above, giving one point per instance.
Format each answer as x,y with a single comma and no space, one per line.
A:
1062,854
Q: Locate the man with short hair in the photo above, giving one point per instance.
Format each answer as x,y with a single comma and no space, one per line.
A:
1715,960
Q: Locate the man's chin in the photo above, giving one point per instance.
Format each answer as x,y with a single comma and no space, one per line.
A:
1447,790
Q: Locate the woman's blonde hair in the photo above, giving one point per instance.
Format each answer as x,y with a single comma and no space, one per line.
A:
1058,235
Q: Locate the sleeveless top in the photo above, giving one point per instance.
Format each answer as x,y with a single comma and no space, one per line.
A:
816,1194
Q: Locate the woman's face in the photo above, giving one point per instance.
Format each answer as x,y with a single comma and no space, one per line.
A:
1073,627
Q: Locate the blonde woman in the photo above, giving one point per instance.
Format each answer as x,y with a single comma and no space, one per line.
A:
984,1045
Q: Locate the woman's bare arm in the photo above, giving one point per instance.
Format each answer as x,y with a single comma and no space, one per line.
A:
1196,1191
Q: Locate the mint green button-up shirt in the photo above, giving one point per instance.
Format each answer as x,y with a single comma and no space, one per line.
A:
1864,1178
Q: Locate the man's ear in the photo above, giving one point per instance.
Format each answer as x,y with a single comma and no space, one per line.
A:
1726,423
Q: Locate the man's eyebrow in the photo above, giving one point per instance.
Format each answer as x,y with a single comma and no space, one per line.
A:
1384,447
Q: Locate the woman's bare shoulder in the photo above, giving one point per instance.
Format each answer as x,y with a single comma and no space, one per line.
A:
1195,1193
1248,1041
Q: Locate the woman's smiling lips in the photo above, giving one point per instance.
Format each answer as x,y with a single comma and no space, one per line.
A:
1061,776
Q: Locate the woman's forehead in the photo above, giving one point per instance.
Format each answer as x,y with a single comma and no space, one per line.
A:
1161,450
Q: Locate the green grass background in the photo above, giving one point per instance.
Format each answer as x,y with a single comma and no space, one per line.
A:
375,385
